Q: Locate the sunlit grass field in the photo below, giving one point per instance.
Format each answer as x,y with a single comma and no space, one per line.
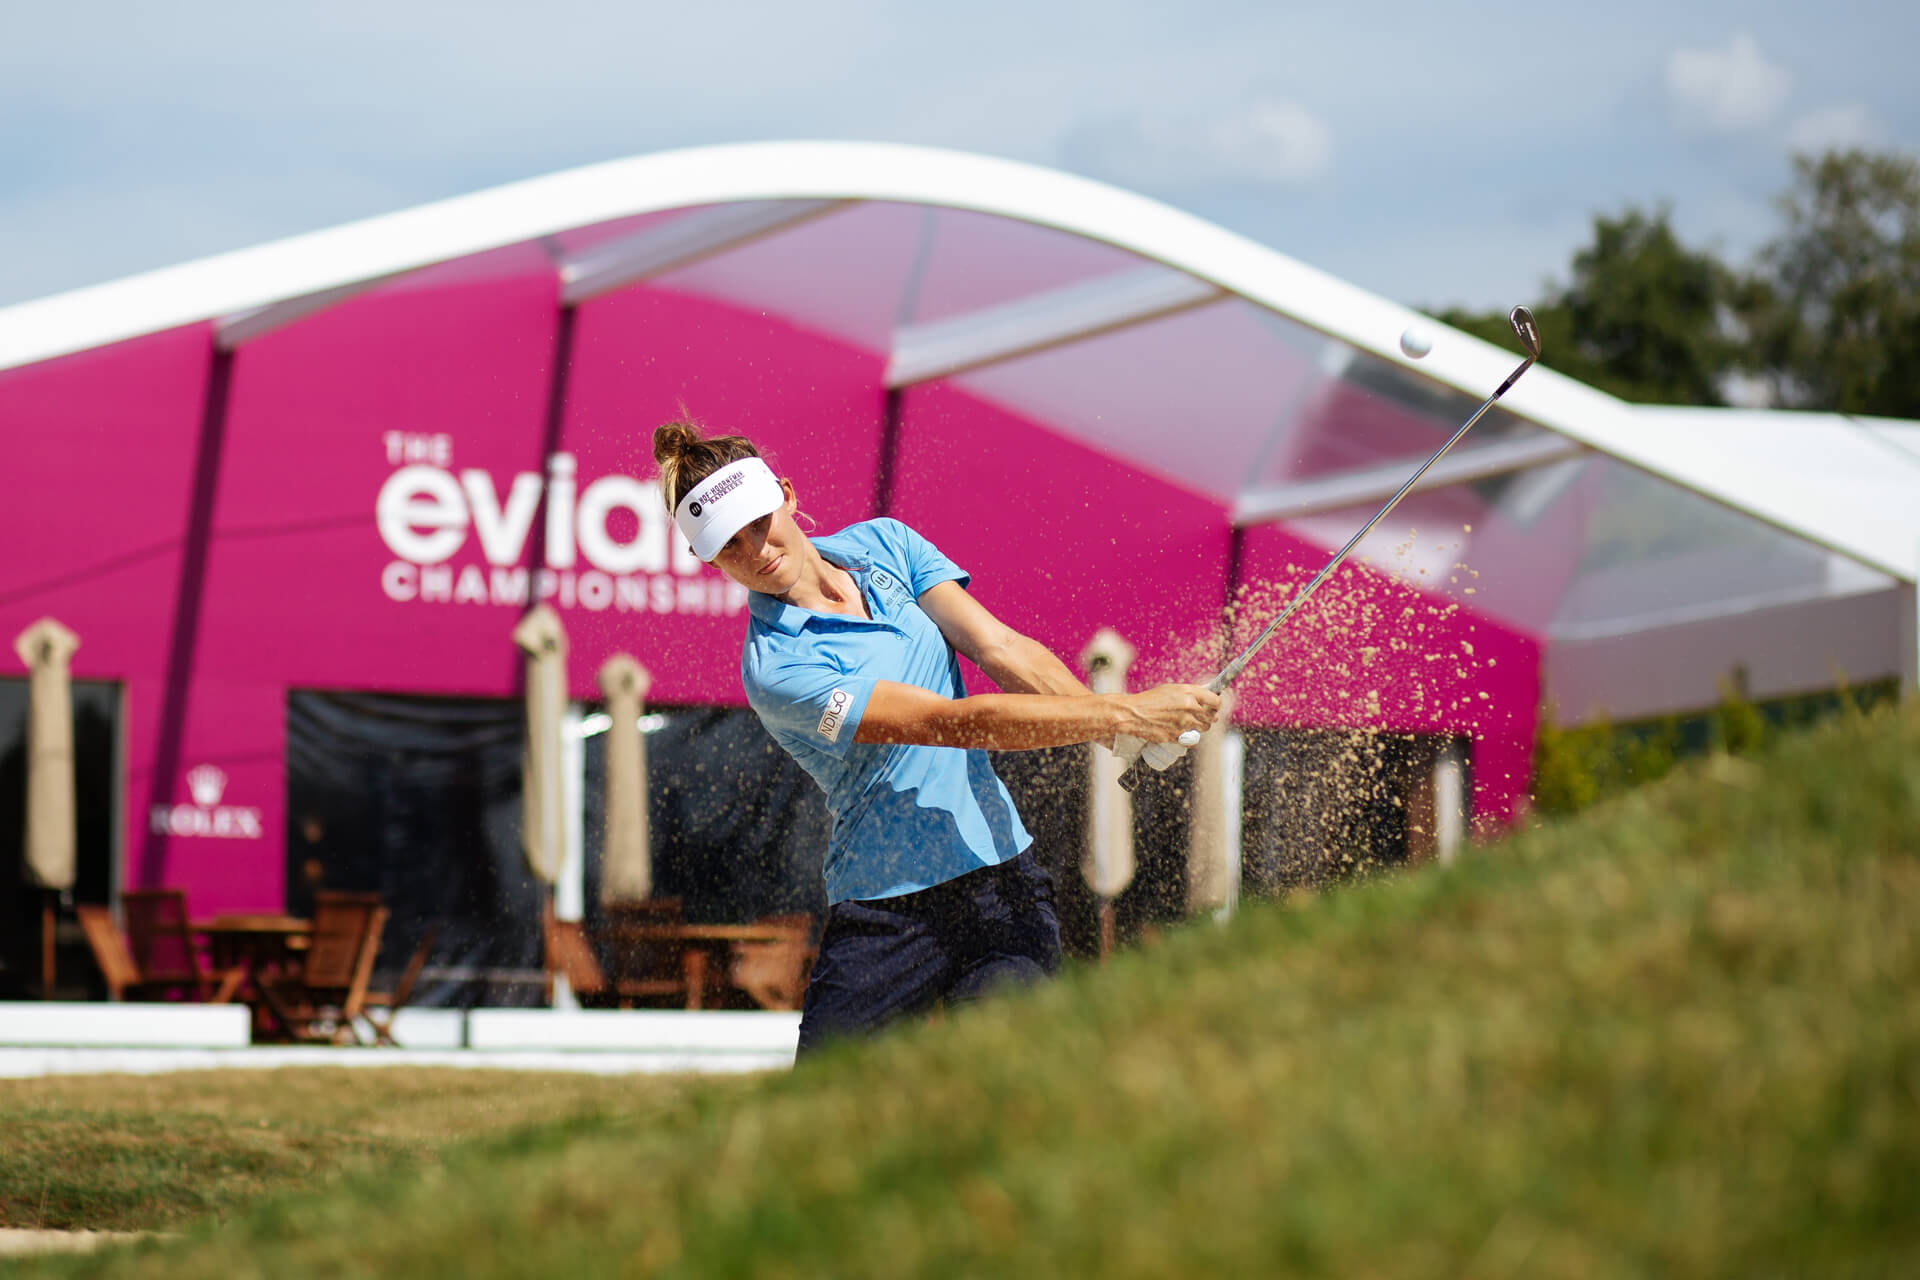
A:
1677,1035
135,1153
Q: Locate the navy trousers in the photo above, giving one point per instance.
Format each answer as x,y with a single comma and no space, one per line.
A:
883,959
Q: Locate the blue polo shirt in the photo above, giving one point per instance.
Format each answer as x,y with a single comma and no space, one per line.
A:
905,818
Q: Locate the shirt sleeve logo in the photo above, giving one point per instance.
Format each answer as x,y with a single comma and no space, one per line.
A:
835,715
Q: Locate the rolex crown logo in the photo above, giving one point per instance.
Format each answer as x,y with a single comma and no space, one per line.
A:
207,783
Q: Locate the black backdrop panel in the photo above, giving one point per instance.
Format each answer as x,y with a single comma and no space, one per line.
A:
419,799
739,830
96,755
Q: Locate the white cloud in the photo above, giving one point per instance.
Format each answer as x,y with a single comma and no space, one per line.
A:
1729,89
1836,129
1266,141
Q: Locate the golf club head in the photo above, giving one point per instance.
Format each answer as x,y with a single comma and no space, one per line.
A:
1525,329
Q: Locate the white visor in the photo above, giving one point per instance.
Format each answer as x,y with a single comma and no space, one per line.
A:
725,503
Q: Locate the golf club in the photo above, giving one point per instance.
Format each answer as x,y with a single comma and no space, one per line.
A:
1160,755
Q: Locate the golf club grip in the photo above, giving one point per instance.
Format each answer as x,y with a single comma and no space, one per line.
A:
1158,756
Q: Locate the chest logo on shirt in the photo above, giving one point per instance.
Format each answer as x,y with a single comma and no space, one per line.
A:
835,715
888,587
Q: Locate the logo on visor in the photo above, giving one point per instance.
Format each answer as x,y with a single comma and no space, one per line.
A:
835,715
693,509
720,490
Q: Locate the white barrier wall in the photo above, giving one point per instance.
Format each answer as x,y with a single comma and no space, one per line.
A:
749,1034
55,1024
39,1039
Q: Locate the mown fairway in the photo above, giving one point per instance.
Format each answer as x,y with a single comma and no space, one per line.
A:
1675,1036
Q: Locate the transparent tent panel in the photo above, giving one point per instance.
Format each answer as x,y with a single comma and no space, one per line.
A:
576,241
1232,401
1591,547
1193,397
843,274
1366,411
862,272
1656,554
975,261
1274,402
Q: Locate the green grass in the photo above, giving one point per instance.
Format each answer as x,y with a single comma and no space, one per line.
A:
136,1153
1677,1035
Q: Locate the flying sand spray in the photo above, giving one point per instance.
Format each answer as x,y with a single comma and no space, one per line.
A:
1160,755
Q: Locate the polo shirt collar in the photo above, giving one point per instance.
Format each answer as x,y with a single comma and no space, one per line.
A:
775,612
780,615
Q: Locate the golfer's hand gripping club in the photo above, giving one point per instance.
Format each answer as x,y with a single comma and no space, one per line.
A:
1160,756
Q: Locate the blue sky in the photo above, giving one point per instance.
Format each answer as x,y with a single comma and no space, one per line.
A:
1436,153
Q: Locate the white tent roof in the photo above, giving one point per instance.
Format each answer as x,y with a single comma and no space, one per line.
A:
1844,484
1847,485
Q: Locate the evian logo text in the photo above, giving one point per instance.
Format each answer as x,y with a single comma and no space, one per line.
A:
606,545
206,816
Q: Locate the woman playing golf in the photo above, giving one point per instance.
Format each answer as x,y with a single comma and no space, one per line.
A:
850,663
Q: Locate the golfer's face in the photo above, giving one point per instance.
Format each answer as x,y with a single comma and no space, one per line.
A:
764,556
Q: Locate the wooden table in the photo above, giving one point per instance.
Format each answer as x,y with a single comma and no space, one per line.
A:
250,937
258,945
700,944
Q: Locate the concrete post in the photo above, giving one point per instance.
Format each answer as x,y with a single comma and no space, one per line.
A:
1108,863
1212,857
542,830
626,864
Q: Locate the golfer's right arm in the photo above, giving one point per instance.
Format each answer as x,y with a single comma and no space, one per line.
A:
909,715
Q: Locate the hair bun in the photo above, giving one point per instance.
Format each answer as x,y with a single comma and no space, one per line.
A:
672,439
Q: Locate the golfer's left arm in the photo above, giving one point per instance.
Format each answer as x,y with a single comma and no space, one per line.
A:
1017,663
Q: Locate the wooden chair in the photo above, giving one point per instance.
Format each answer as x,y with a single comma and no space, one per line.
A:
109,951
163,951
322,999
774,972
122,975
652,970
570,957
379,1008
569,954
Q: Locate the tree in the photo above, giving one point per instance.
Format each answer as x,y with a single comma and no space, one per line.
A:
1835,308
1644,317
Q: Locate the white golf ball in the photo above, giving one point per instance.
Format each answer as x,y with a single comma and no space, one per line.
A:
1191,738
1417,340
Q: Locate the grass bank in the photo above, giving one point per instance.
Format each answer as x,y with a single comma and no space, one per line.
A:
1676,1035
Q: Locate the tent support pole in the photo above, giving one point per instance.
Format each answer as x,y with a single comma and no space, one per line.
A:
1910,640
48,921
889,452
187,599
550,434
